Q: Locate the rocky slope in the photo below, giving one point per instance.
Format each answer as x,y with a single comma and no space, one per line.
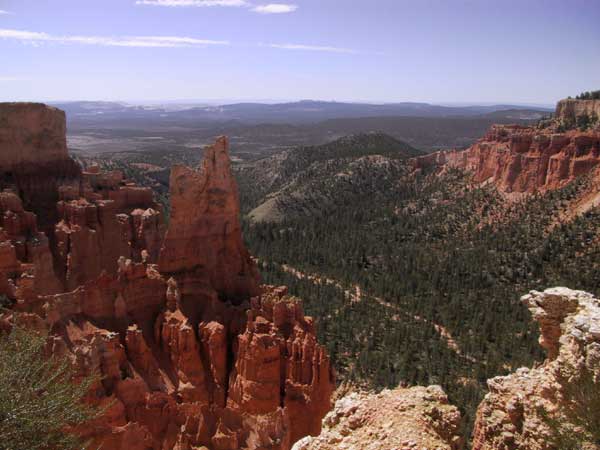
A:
536,408
520,159
553,406
192,351
401,419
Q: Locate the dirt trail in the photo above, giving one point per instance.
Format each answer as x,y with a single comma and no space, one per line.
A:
356,295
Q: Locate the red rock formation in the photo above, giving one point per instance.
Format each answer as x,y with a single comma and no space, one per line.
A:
280,364
204,236
34,158
181,348
510,416
523,159
31,133
102,214
21,242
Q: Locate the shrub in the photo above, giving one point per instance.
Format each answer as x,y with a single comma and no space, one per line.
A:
39,401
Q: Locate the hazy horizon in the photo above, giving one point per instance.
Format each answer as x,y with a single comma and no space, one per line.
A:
441,52
232,101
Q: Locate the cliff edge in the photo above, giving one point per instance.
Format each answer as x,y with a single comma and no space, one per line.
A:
544,407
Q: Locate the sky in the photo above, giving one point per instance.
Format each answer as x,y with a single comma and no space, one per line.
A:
437,51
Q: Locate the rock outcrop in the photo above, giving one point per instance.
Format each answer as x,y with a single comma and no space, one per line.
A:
522,410
31,134
192,352
399,419
518,159
204,236
34,158
104,215
568,110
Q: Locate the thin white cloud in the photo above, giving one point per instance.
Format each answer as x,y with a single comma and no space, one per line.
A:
312,48
275,8
3,79
35,37
3,12
269,8
198,3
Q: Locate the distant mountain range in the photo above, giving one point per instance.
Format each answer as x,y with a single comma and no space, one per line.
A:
306,111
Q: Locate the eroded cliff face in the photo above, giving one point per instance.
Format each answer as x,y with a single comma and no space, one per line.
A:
569,110
31,134
192,354
518,159
519,409
34,157
399,419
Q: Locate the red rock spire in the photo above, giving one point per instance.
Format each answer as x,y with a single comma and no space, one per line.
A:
204,235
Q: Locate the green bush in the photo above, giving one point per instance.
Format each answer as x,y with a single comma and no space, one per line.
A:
39,402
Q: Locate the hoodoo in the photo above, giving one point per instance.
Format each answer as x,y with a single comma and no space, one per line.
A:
191,351
204,236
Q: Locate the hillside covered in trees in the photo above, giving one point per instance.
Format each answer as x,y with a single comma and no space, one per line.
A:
415,277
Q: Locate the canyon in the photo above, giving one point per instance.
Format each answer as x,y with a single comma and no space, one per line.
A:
194,352
548,407
190,349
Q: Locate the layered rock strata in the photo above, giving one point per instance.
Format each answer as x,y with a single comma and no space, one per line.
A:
518,159
33,157
569,110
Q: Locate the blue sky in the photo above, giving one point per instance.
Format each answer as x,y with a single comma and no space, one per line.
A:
473,51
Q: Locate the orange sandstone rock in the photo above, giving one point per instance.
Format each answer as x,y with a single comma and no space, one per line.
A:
519,159
191,353
204,231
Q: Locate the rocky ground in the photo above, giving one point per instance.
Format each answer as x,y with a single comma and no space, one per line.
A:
400,419
553,406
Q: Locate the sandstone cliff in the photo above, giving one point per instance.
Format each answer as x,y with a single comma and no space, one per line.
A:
569,110
400,419
520,409
518,159
34,158
31,133
191,352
